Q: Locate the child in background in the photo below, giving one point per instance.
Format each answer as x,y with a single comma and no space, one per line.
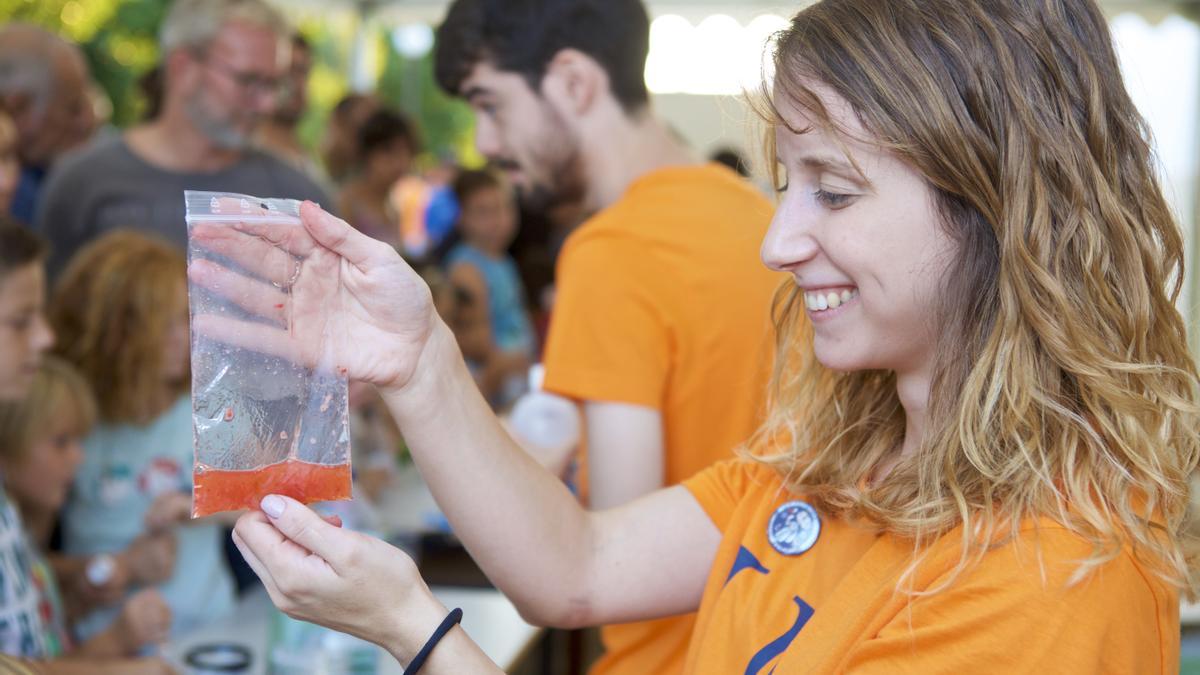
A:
39,453
121,314
387,144
495,333
339,146
375,441
24,337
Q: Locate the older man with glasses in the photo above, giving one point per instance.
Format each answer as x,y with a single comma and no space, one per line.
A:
225,63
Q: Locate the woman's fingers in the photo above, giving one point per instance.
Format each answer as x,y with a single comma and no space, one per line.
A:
251,335
300,524
246,523
251,251
338,236
259,298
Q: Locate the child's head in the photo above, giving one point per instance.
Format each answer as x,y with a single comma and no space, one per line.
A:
40,436
973,183
487,211
24,333
387,144
121,313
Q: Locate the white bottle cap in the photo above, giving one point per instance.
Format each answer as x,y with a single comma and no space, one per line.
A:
100,569
547,421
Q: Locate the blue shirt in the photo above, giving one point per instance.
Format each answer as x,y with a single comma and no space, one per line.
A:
24,204
511,330
125,468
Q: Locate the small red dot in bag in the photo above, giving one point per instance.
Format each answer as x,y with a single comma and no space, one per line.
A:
229,414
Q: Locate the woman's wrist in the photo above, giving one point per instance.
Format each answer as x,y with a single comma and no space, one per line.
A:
412,623
438,362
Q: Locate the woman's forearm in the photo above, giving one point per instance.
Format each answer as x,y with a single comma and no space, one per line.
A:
519,522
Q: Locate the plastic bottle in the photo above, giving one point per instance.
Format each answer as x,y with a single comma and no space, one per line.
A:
544,420
100,569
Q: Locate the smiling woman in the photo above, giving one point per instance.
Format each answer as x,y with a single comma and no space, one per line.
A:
1028,377
841,229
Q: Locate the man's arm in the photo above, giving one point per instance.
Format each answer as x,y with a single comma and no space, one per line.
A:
624,452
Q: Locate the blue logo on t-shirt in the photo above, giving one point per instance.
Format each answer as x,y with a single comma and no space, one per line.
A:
794,528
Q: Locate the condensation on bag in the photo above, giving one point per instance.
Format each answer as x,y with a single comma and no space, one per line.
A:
262,424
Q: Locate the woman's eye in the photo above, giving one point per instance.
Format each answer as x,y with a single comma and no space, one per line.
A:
833,200
782,188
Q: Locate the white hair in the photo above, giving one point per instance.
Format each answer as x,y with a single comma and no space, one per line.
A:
193,24
27,56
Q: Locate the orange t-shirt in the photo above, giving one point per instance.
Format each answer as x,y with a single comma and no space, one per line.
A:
663,301
834,608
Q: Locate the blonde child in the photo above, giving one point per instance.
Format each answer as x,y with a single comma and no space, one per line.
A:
120,312
40,450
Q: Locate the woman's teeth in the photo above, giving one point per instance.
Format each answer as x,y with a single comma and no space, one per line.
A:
819,301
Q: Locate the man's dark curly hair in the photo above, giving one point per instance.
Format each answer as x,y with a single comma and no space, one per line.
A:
522,36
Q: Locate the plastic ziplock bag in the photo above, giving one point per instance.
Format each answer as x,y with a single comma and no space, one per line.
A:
262,424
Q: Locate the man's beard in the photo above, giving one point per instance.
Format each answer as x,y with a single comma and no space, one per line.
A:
562,165
220,133
566,186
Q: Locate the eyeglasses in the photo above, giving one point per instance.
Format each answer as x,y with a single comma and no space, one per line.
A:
248,82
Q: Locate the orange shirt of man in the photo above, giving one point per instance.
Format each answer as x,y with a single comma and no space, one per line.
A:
779,602
663,302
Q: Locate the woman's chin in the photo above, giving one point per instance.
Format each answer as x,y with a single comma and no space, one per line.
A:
840,360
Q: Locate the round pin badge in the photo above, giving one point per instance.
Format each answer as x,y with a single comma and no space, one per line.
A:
794,528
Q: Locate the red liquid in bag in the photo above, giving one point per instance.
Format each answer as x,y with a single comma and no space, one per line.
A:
219,490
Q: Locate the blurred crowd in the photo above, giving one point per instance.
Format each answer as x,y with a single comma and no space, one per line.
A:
99,559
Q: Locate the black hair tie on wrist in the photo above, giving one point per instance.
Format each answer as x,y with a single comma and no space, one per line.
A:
444,627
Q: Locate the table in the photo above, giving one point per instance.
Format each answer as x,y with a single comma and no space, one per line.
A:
406,509
488,617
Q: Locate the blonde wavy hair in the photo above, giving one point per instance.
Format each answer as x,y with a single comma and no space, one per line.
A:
112,310
58,401
1063,386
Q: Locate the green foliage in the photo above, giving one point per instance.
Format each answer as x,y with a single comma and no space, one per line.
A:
118,37
122,50
445,122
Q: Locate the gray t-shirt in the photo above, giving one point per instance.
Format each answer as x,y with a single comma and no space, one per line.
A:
106,186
